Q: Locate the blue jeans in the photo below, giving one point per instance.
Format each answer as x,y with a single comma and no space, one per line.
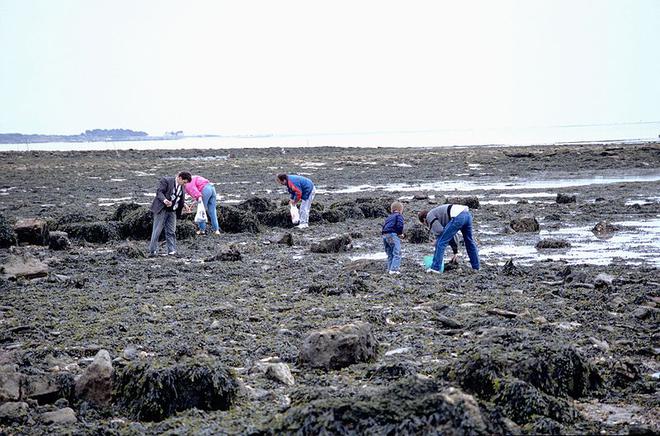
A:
167,220
209,201
392,245
462,222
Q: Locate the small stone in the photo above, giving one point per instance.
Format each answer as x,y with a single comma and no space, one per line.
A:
129,353
13,411
61,416
95,385
603,281
397,351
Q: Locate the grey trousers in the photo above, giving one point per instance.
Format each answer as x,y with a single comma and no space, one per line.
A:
166,220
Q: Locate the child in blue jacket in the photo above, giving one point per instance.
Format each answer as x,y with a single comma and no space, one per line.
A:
301,190
392,233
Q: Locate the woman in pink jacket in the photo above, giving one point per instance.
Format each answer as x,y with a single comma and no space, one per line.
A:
201,190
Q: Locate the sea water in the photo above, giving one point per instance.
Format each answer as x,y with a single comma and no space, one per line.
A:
623,132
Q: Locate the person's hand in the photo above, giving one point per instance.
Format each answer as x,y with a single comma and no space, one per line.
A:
454,258
292,202
187,208
167,202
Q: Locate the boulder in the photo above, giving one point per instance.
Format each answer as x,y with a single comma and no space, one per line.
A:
123,210
137,223
275,370
280,217
339,346
230,254
603,281
185,229
59,417
235,220
551,243
565,198
411,405
604,228
58,240
7,236
13,412
10,383
470,201
98,232
523,374
344,213
525,224
374,207
95,384
131,251
418,234
31,231
25,266
336,244
74,218
155,391
510,269
44,388
257,205
285,239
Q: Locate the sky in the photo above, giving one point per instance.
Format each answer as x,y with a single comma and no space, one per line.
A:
253,67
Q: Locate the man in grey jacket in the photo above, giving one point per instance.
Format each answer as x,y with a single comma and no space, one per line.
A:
445,221
166,208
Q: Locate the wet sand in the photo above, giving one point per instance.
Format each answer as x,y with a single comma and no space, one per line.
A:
236,313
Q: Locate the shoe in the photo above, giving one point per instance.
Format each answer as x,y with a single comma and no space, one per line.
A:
302,226
172,253
433,271
200,233
217,233
154,254
394,272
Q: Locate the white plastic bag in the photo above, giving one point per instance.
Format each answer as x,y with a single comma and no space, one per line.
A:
295,215
200,216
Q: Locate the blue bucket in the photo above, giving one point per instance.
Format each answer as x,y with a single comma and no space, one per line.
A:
428,261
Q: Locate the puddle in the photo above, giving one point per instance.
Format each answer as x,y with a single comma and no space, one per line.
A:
116,199
370,256
513,184
638,242
198,158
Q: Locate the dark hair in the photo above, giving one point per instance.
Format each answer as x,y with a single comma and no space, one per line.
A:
282,177
185,175
422,215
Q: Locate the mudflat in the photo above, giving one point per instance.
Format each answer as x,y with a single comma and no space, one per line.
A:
269,329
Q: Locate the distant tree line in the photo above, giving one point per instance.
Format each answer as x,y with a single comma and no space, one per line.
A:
113,133
87,135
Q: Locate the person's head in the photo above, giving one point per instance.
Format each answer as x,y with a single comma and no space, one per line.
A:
396,207
183,177
422,215
281,179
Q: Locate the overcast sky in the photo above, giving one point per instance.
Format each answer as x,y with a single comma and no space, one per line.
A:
333,66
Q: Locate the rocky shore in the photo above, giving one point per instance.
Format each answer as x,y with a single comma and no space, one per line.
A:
267,329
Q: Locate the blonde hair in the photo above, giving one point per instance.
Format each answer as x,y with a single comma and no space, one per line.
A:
396,206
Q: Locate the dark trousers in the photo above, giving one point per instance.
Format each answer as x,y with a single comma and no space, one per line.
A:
166,220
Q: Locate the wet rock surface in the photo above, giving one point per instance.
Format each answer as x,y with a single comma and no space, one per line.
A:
552,345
